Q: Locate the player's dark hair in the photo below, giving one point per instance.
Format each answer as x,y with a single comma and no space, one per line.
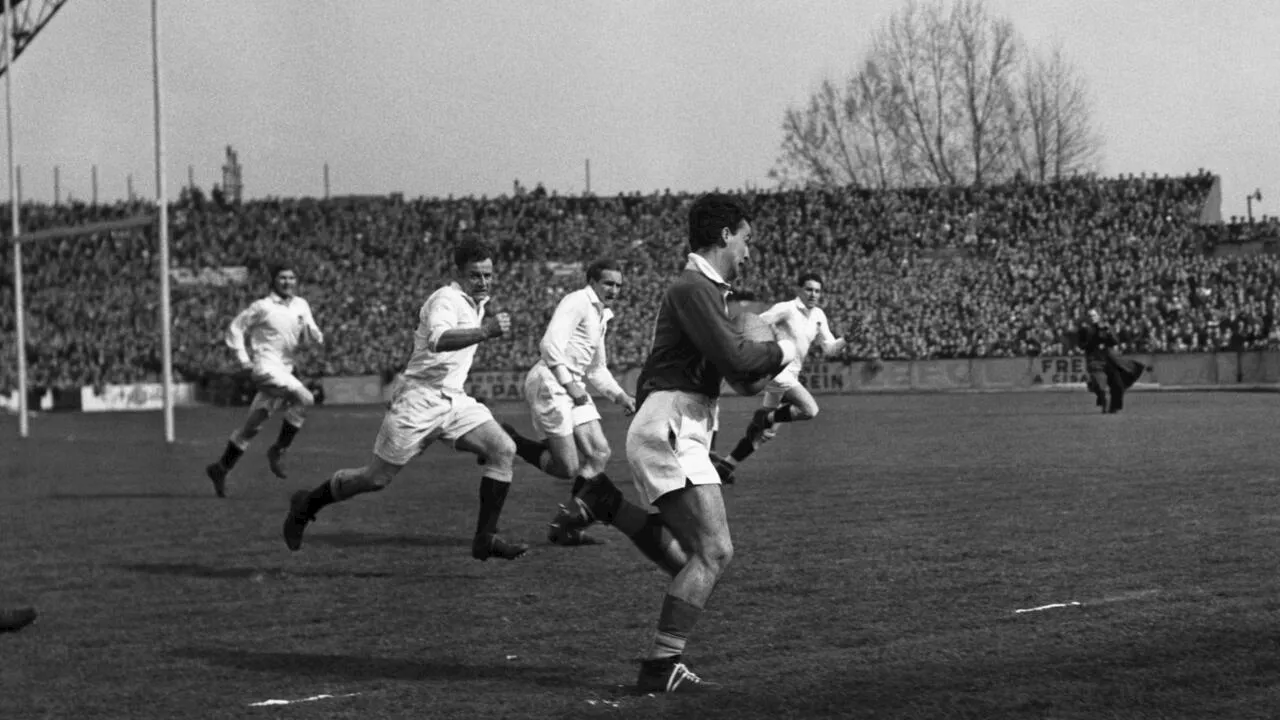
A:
274,270
471,250
811,276
596,270
711,214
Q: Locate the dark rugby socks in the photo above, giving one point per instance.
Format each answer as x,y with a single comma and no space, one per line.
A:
287,433
493,494
230,455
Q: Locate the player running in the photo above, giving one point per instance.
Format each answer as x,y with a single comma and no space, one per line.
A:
785,400
573,443
264,337
430,403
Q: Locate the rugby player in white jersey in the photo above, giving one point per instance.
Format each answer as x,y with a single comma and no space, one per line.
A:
571,440
264,337
430,403
785,399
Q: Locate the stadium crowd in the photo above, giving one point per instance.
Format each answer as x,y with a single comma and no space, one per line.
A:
918,273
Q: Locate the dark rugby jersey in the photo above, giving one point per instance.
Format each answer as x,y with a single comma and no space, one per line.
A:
695,345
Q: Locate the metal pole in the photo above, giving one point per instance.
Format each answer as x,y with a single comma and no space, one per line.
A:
128,183
94,175
588,176
19,307
162,217
326,181
57,187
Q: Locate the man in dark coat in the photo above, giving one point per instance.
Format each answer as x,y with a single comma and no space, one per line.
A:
1109,372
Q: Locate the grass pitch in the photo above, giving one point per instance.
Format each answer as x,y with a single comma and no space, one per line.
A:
883,551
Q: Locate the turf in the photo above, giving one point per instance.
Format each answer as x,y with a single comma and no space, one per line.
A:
881,553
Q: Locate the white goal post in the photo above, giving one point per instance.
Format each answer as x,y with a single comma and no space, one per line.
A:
161,220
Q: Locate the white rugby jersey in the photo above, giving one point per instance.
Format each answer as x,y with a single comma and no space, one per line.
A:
274,327
802,326
448,308
574,341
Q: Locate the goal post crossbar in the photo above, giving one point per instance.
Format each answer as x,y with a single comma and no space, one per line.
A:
58,233
135,222
160,219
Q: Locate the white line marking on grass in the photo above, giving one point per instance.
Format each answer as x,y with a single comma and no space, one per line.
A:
1050,606
1120,597
313,698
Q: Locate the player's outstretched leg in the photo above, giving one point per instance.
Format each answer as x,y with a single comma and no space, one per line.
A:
344,485
236,445
601,500
759,432
587,454
294,416
527,449
14,619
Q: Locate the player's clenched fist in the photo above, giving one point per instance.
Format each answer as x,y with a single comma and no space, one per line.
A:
498,324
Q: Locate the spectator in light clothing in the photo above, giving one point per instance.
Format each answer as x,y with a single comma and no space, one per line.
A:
264,337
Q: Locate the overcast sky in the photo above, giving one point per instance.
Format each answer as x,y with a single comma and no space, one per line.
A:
438,98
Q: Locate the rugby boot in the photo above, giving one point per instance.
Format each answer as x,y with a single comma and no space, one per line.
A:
565,529
487,545
669,675
218,476
296,521
275,461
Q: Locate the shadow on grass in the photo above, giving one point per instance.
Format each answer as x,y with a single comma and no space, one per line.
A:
359,539
243,573
357,668
128,496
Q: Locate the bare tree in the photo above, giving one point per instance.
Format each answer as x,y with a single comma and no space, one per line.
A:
820,142
987,53
1054,136
944,97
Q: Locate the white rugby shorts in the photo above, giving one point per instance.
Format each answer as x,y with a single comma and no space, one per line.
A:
277,389
420,414
778,387
551,407
669,443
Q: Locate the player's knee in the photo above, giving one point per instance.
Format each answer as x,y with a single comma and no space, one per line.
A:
305,398
717,553
563,467
596,461
501,452
244,435
805,411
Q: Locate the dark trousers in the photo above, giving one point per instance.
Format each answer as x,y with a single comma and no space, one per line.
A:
1106,382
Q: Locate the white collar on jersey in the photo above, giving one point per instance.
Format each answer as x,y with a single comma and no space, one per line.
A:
479,306
699,263
595,300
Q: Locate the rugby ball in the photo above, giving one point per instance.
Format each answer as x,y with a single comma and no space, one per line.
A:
755,329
